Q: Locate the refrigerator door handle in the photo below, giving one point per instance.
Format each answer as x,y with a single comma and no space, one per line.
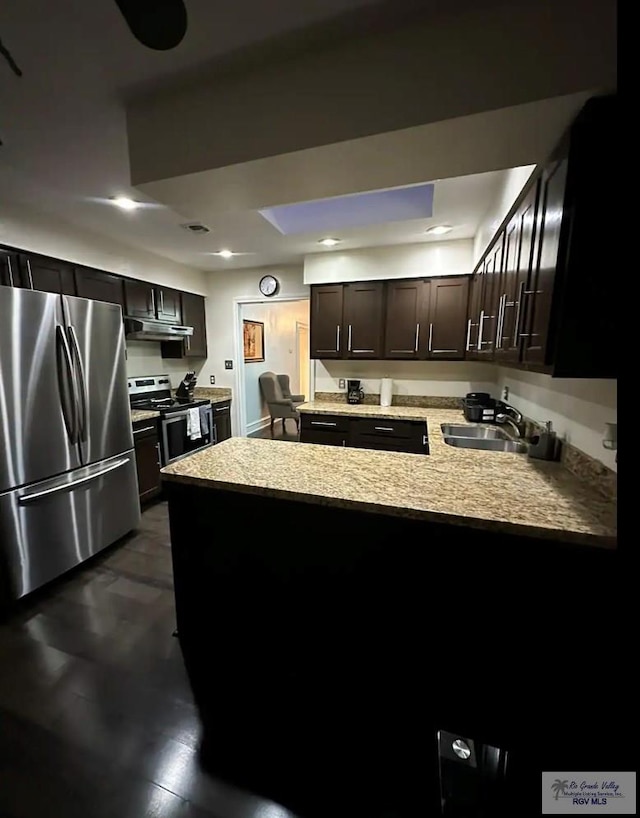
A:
67,386
37,495
82,383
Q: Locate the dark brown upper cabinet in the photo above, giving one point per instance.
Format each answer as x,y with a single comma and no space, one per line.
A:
363,319
406,317
144,300
45,274
9,268
193,315
473,315
488,319
326,338
448,298
100,286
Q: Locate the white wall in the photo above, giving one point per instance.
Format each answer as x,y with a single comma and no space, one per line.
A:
436,378
515,179
437,258
42,233
578,408
279,319
144,358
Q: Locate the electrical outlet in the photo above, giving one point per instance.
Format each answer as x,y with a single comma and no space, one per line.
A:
228,364
505,393
212,379
342,383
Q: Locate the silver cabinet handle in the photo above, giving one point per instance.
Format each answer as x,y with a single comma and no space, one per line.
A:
322,423
162,301
82,385
417,337
424,440
349,340
337,337
153,301
383,428
430,336
30,274
503,299
10,271
144,429
188,339
29,498
533,292
159,457
516,326
468,341
480,329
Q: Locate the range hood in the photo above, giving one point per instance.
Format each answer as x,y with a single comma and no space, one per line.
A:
138,329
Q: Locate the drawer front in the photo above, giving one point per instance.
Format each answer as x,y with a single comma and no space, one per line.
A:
407,446
323,437
145,428
405,429
327,423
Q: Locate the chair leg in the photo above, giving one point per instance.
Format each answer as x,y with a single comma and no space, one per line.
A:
284,426
272,422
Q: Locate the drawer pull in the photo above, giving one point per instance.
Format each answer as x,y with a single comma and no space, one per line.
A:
383,428
322,423
145,429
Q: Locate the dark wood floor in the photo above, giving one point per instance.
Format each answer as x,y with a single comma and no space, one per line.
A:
96,713
289,433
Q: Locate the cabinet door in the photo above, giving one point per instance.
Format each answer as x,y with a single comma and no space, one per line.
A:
326,321
193,315
222,421
140,299
147,448
100,286
9,269
490,297
505,288
448,298
47,275
404,319
363,319
168,307
473,314
538,295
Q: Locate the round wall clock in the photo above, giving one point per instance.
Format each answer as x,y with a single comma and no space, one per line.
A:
268,285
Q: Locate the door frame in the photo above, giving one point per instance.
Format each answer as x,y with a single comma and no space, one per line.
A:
306,387
239,413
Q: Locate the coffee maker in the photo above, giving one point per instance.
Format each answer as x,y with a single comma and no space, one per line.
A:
354,392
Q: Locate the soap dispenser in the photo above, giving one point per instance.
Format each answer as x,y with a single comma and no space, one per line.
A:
544,446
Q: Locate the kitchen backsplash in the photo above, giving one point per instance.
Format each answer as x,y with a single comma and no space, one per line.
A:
144,358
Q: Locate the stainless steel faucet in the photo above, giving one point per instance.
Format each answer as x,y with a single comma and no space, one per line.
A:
511,415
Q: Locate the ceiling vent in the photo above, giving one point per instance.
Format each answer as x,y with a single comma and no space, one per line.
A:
195,227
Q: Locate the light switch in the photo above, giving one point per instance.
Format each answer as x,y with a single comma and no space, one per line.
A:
228,364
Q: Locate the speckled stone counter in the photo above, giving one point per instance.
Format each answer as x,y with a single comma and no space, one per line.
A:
216,394
478,489
143,414
365,410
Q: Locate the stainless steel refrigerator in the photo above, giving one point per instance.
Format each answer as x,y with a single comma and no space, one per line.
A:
68,484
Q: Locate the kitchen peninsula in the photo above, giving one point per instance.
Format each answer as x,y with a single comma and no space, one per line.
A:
358,598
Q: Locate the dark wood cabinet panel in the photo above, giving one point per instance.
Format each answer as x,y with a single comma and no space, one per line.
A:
194,315
487,323
363,319
140,299
404,314
446,335
100,286
222,421
147,449
539,293
326,339
365,433
168,306
46,274
9,268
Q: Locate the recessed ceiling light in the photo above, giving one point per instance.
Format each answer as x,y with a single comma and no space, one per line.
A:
125,203
329,242
439,230
224,253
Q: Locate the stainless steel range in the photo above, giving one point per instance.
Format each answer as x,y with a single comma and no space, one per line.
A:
186,423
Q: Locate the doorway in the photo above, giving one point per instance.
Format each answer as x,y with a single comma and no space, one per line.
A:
302,356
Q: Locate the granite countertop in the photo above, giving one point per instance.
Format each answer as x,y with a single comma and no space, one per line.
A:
365,410
143,414
481,489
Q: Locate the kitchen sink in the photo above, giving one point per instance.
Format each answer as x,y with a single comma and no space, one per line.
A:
450,430
487,444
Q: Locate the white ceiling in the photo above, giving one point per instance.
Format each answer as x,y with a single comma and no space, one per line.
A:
65,145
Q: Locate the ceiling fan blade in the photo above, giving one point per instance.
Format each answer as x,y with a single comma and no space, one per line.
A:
158,24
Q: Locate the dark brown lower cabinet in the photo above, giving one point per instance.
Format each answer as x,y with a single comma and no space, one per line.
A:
409,436
222,421
147,448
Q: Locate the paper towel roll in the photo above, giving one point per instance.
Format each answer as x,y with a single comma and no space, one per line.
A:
386,391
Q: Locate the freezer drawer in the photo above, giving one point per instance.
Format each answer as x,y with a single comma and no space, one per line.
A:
51,526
